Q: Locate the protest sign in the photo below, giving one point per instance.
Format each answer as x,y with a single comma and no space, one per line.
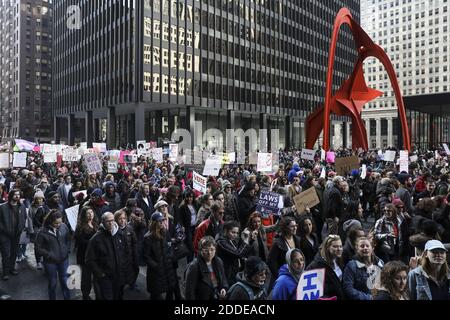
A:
308,154
20,160
331,156
268,203
50,154
157,155
364,171
24,145
212,166
70,154
153,144
72,216
99,147
447,150
142,148
389,156
232,157
305,199
311,285
264,162
199,182
112,167
253,158
323,155
346,165
404,161
323,173
93,164
122,156
173,152
413,158
4,161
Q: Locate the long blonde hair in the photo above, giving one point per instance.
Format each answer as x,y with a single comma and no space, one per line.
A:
325,249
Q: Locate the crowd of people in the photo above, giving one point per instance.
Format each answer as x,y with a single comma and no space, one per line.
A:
380,237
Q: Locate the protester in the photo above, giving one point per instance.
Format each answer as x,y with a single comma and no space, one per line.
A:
211,226
285,287
256,235
393,282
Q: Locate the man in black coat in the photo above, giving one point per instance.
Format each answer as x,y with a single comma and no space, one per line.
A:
144,201
108,257
334,205
12,222
246,203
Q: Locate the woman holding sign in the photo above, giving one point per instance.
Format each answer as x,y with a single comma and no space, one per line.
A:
329,258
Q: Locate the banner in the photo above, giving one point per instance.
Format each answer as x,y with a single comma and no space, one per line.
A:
305,199
311,285
49,153
70,155
264,162
346,165
199,182
173,152
212,166
4,161
72,216
232,157
20,160
308,154
24,145
112,167
404,161
447,150
93,164
331,156
389,156
269,203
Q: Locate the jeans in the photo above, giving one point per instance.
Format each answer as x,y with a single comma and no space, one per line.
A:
55,271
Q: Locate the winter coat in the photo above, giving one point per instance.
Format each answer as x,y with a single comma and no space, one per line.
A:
285,286
148,209
333,285
309,250
133,257
333,203
54,247
114,202
259,246
404,195
198,282
246,206
160,271
246,290
64,195
232,255
82,237
206,228
7,229
355,278
382,295
293,173
231,207
277,254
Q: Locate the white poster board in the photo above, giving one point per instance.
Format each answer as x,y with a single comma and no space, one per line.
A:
70,154
72,216
93,163
265,163
413,158
112,167
364,171
157,155
447,150
311,285
20,160
308,154
49,153
142,148
4,161
389,156
212,166
323,154
404,161
199,182
323,173
173,152
99,147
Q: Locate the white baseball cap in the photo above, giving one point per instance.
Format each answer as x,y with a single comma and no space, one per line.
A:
434,244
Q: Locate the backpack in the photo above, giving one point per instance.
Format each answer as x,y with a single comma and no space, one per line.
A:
249,290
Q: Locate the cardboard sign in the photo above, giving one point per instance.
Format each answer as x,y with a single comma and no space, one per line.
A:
265,163
157,155
70,154
50,153
199,182
72,216
20,160
447,150
268,203
4,161
308,154
93,163
305,199
404,161
212,166
112,167
331,156
346,165
389,156
173,152
311,285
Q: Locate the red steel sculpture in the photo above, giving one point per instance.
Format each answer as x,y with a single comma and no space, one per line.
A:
354,93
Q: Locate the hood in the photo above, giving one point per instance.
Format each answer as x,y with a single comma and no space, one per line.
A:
296,167
284,271
114,230
241,277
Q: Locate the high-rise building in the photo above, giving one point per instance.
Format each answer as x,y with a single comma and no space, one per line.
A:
415,35
26,69
137,70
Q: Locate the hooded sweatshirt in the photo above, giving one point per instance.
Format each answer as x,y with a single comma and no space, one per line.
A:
285,287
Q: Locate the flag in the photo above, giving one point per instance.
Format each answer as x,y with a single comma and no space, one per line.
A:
23,145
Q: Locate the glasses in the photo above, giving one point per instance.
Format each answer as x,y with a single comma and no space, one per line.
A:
206,250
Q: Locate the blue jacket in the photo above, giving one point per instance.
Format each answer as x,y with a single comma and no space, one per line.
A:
355,278
285,286
293,173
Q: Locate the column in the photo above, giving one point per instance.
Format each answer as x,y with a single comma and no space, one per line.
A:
378,135
96,128
131,118
344,135
390,137
139,123
337,139
89,128
111,128
263,136
71,129
288,134
349,136
56,129
190,123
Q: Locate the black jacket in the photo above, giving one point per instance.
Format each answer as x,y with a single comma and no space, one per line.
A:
82,237
309,250
333,205
277,254
232,256
148,209
54,247
333,285
198,281
7,228
107,255
160,271
246,207
239,292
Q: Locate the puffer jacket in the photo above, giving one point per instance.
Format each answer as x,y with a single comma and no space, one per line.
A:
285,286
54,247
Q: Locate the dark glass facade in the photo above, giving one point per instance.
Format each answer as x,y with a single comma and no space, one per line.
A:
164,64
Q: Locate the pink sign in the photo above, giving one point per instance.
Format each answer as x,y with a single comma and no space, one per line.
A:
331,156
122,156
